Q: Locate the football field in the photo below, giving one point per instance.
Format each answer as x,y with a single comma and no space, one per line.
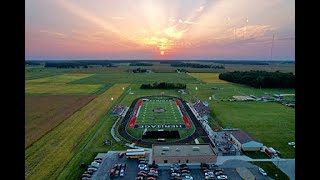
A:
154,112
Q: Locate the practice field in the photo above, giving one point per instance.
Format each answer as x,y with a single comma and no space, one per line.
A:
61,88
147,116
43,113
64,78
208,77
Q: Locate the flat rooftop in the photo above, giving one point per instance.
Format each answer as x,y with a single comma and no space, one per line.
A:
183,150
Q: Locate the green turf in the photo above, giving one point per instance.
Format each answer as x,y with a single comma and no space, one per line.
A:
148,117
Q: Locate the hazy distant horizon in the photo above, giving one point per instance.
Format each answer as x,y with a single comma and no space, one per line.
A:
155,60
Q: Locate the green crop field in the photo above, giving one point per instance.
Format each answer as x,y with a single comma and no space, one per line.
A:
208,77
137,78
148,117
61,88
64,78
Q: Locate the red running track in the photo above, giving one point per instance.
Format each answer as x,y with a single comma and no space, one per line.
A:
132,122
134,119
186,122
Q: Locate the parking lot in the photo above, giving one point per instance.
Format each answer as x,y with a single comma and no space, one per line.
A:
109,159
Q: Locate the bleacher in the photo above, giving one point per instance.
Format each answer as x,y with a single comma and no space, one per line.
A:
201,107
116,111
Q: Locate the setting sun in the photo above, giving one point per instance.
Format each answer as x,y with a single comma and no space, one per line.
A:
162,53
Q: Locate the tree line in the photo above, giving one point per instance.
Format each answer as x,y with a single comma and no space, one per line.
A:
193,65
163,85
140,64
260,79
77,64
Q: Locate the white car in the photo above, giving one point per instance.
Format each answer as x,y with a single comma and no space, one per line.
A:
122,172
142,167
262,172
222,177
291,143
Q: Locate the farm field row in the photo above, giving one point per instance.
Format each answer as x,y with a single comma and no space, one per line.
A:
61,89
43,113
137,78
63,78
48,156
208,77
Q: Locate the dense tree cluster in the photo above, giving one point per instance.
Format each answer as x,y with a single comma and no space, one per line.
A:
139,70
77,64
140,64
260,79
193,65
163,85
30,63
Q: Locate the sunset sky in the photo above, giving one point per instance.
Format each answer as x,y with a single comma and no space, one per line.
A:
160,29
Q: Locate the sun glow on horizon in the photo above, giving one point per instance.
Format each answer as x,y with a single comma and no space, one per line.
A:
150,28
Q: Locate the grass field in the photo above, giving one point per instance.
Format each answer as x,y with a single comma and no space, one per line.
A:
271,123
61,88
48,156
137,78
43,113
271,170
148,117
64,78
208,77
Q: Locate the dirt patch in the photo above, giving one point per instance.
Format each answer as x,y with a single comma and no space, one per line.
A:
43,113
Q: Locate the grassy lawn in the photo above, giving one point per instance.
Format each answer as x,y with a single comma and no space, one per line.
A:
43,113
208,77
271,123
61,88
271,170
257,155
64,78
48,156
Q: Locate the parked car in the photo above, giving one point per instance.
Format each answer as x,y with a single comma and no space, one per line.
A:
95,164
291,143
121,154
122,172
88,172
92,169
222,177
262,172
86,175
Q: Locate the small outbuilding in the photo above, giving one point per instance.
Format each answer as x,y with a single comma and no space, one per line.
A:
245,141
